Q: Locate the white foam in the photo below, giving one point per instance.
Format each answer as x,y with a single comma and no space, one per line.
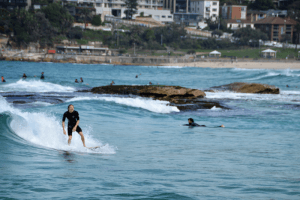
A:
246,69
166,67
215,108
45,130
283,97
36,86
145,103
269,74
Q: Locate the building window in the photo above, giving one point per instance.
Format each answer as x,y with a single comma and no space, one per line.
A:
243,9
146,6
214,15
98,4
215,3
170,16
163,16
214,9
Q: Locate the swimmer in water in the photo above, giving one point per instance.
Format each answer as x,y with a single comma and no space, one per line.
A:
81,80
42,76
24,76
2,79
76,81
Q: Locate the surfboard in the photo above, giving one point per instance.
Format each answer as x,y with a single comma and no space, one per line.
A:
92,148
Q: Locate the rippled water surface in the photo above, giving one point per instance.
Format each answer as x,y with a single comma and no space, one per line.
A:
145,151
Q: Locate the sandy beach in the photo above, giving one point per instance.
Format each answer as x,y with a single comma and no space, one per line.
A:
244,65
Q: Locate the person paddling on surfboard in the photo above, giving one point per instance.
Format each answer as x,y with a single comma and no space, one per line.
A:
73,122
193,124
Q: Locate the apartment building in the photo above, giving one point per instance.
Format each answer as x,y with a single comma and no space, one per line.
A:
177,6
276,27
12,4
233,12
114,7
206,8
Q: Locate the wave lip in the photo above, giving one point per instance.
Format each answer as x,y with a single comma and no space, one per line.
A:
36,86
145,103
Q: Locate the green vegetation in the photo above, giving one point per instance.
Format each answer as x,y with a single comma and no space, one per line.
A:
96,21
131,6
249,36
262,5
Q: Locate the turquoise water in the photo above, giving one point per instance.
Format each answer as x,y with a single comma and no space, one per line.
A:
145,151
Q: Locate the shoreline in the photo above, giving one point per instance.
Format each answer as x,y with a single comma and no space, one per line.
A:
242,65
138,61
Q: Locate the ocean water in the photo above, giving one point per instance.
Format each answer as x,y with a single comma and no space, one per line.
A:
145,151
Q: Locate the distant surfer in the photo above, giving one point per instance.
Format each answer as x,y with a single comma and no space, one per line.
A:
193,124
24,76
2,79
81,80
76,81
73,123
42,76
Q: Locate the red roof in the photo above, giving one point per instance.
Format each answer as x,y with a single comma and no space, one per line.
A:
276,20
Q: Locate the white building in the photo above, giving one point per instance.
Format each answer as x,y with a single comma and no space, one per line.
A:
206,8
116,7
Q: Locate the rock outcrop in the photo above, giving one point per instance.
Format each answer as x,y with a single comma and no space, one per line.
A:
182,98
255,88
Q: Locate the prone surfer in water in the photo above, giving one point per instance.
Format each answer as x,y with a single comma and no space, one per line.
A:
73,122
193,124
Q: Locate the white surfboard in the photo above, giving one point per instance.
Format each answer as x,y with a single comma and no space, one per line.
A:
92,148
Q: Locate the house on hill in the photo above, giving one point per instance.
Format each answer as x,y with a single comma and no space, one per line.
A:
276,27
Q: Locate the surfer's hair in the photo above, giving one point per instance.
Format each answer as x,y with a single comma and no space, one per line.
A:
70,105
191,119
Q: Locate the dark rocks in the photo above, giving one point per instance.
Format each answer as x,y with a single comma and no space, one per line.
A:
255,88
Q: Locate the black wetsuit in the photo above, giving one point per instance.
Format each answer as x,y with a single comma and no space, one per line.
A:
72,119
194,124
42,76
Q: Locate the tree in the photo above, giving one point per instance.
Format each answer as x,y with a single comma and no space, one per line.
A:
96,21
294,13
86,14
285,38
59,17
249,36
262,5
131,6
217,32
149,35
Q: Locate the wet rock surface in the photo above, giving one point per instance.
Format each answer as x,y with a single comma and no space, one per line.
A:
255,88
181,97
